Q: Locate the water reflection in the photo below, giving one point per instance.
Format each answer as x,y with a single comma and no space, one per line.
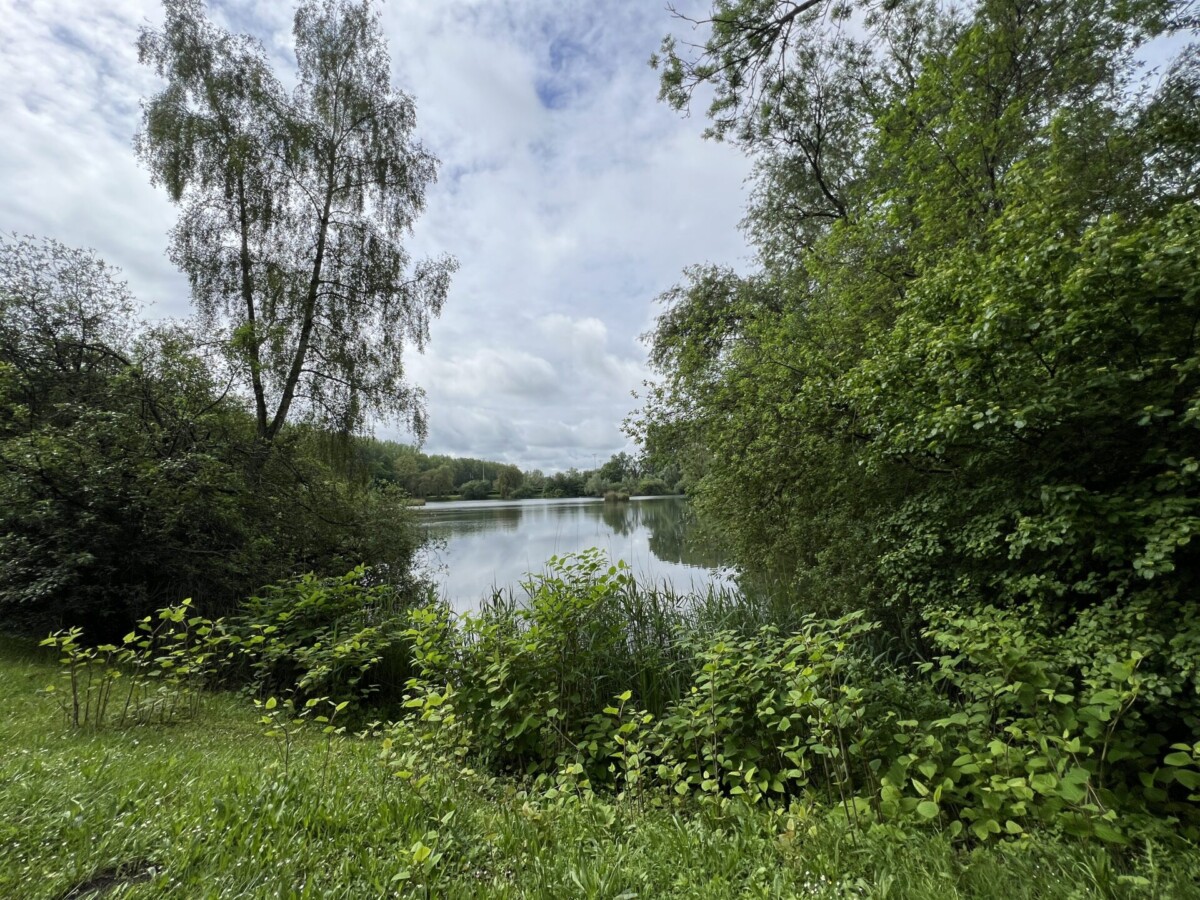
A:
453,518
481,545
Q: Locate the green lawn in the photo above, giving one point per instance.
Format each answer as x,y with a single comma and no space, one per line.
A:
203,809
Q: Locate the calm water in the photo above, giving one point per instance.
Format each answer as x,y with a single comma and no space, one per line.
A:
481,544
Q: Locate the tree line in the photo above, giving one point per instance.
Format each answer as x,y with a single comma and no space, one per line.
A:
436,476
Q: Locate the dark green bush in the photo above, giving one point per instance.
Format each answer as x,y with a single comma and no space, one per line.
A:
527,675
1001,732
130,478
479,489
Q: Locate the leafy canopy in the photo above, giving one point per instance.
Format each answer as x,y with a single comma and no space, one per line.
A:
965,370
294,207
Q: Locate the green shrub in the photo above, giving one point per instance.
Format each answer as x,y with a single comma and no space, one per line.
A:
156,674
1031,739
652,487
528,676
322,636
771,714
130,477
1001,732
479,489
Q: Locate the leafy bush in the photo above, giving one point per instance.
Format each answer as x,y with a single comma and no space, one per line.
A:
652,487
999,733
129,478
156,674
562,681
527,676
479,489
326,637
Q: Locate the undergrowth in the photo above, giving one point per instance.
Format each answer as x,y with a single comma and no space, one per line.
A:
203,808
592,700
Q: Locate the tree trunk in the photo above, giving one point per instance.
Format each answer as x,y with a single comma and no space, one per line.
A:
260,401
310,306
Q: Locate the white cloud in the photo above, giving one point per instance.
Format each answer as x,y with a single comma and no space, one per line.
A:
569,195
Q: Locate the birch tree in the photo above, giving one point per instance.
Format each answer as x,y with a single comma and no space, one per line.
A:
294,208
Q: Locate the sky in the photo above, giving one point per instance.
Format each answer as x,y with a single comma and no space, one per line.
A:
570,196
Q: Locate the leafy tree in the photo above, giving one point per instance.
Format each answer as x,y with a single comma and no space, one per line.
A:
508,480
479,489
128,479
293,208
566,484
621,468
596,485
436,482
963,371
533,484
108,497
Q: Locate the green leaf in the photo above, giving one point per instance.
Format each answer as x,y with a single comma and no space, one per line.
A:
1107,832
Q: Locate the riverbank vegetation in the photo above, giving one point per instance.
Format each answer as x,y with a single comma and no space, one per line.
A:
591,737
434,476
204,807
958,396
131,476
949,422
964,376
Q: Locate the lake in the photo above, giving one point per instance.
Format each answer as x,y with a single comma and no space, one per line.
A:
481,544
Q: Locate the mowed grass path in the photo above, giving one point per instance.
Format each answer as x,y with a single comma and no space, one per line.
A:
203,809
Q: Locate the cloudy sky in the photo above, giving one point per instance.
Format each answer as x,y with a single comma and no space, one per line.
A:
569,195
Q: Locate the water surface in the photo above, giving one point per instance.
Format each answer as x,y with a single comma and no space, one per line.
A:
481,544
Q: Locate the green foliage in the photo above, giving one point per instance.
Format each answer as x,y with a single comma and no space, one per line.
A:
1005,731
965,372
296,259
528,677
135,813
434,475
129,478
320,637
155,675
769,715
1057,385
508,481
1028,740
475,490
284,722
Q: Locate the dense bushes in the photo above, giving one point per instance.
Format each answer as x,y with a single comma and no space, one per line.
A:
966,370
339,639
961,393
326,637
589,684
1002,731
478,489
130,479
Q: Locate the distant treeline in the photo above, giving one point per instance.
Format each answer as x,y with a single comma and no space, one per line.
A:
433,476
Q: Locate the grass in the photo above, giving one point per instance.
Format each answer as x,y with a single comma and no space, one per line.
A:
202,809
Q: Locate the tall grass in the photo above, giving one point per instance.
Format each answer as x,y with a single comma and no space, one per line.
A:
638,636
642,636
